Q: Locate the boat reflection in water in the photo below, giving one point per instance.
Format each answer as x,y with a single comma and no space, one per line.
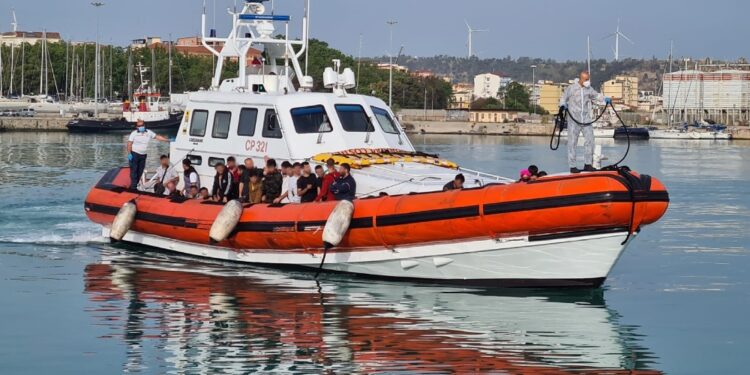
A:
179,314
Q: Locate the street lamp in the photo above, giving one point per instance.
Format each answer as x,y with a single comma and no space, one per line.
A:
390,65
96,5
533,89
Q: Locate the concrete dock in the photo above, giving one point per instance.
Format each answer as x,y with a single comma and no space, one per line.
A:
40,123
56,123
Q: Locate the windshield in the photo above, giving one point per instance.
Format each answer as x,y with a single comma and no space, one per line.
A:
354,118
385,120
311,120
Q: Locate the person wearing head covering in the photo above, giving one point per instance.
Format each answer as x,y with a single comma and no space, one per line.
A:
525,175
578,100
137,146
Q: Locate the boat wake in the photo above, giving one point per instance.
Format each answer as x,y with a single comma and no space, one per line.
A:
76,233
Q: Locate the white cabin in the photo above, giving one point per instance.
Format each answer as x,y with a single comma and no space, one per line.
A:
268,110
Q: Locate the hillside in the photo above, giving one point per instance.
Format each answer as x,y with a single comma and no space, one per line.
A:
462,69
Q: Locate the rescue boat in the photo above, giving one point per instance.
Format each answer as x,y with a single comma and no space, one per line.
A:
565,230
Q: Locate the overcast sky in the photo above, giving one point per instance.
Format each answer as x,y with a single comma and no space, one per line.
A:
550,28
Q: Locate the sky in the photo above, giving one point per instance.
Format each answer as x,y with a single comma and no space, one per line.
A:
536,28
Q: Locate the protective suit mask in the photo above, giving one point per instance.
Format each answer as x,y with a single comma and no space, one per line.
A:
587,84
141,129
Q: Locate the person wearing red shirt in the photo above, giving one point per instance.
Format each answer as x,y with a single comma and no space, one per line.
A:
325,190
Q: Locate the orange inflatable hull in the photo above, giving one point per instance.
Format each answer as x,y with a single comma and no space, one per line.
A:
550,206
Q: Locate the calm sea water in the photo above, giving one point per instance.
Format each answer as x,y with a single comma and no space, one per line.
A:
677,302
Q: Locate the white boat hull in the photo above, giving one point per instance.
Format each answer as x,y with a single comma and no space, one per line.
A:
598,133
670,134
584,260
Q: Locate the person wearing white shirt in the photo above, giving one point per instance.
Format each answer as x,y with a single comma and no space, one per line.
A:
290,193
137,147
164,174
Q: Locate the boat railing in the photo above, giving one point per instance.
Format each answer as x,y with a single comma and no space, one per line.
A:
487,176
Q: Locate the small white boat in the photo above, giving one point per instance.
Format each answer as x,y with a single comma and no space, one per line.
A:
599,132
695,133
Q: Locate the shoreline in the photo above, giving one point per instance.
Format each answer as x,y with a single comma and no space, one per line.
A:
58,124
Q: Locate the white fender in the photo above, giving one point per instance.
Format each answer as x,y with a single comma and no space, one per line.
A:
123,220
226,221
338,223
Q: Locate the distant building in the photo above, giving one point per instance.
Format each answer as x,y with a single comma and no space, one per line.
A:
549,95
492,115
396,67
462,96
488,85
422,73
150,42
722,95
648,102
623,90
15,38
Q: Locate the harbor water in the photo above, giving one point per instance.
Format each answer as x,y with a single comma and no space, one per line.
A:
677,302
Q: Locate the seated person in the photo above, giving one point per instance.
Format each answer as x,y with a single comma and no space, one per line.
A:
525,175
222,188
193,192
164,174
171,190
344,187
203,194
534,170
190,176
456,184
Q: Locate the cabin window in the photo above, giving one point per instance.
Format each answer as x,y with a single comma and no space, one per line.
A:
248,118
271,128
353,118
222,119
212,161
385,120
195,159
312,119
198,123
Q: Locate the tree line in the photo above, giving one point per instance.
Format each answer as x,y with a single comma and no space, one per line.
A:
71,72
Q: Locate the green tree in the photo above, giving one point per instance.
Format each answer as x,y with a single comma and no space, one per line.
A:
517,97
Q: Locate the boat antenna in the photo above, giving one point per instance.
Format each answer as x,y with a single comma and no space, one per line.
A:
307,30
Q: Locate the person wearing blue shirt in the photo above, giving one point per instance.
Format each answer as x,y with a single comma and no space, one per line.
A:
344,187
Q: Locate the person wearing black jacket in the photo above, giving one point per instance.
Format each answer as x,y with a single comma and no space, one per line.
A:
344,187
222,184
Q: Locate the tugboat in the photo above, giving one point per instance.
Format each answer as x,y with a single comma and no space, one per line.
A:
557,231
150,108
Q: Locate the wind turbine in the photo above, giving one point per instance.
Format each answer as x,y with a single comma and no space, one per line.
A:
617,34
15,22
471,34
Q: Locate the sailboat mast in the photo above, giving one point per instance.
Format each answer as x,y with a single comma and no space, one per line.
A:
23,61
1,70
12,69
170,64
130,72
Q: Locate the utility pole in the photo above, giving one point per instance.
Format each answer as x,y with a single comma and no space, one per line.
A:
359,62
390,23
97,64
170,64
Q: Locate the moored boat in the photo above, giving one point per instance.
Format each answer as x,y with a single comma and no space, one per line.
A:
566,230
148,107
